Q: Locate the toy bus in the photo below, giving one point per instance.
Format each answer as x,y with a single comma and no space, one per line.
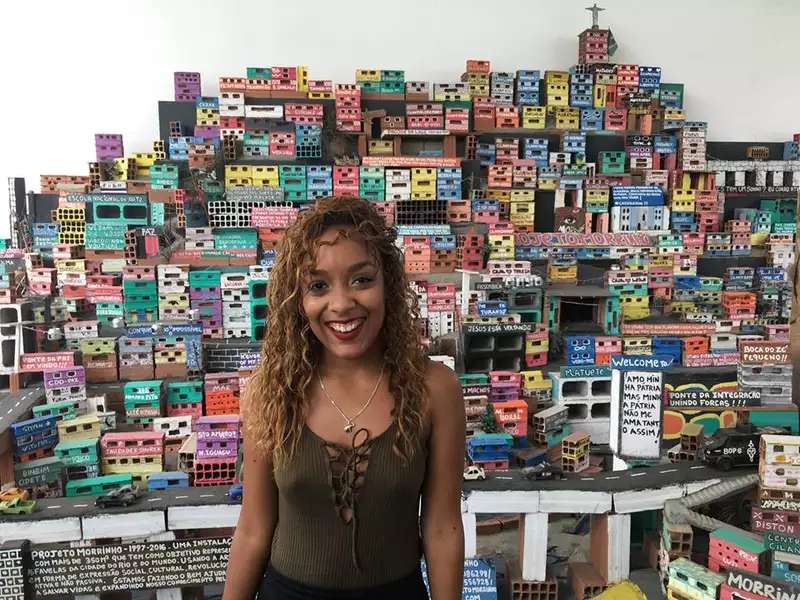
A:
167,479
94,486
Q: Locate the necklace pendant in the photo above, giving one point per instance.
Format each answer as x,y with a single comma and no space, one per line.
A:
349,427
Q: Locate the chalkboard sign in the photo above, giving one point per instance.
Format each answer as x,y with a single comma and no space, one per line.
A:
480,579
59,570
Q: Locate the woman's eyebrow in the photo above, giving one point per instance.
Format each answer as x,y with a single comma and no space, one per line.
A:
352,269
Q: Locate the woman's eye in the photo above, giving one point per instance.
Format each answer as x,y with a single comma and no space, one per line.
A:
362,279
316,286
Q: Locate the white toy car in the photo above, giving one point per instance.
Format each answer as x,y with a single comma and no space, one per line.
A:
474,473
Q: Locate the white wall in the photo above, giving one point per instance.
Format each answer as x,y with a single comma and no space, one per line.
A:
73,69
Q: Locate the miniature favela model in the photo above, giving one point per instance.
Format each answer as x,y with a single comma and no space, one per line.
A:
615,303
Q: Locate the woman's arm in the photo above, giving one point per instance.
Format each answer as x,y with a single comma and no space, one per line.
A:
442,530
253,538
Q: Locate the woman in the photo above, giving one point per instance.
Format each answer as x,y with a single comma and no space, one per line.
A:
347,427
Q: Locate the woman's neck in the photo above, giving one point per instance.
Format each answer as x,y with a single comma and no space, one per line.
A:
368,365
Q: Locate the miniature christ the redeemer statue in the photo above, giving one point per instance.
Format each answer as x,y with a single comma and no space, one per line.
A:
595,13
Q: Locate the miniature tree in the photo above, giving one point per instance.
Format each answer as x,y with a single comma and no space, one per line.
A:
489,421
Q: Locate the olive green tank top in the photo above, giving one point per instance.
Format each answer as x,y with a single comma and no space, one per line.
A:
348,517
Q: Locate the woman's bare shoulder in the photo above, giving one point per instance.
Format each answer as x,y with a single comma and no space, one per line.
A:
444,390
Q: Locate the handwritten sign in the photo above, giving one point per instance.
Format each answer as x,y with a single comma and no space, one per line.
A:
761,585
42,361
656,362
637,195
480,579
248,360
667,329
499,328
711,359
781,542
716,399
639,402
585,372
765,353
60,570
582,239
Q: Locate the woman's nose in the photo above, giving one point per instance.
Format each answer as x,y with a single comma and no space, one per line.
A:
341,299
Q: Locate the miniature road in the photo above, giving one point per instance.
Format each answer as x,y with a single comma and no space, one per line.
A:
634,479
14,405
83,506
658,476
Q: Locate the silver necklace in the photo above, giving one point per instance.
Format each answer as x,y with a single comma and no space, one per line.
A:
351,420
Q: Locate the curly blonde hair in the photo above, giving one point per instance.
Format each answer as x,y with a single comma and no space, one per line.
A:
277,392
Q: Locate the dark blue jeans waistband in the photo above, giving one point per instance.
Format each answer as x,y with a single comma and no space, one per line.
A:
276,586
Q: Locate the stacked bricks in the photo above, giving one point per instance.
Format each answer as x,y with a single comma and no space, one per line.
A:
136,358
319,181
511,413
477,75
235,294
185,398
65,391
221,392
348,107
205,296
537,344
187,86
692,146
108,146
345,180
173,292
417,253
140,303
575,452
217,450
33,439
139,453
441,306
71,277
71,225
397,184
143,401
444,254
257,290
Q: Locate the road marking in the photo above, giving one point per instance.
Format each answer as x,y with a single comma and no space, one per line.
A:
179,497
504,477
9,410
615,477
16,405
587,478
637,474
698,467
214,495
80,505
668,471
54,506
153,499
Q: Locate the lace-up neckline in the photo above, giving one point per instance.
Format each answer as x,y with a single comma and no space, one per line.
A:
347,469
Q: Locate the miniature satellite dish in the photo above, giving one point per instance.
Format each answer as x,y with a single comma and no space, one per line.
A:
117,322
194,314
156,328
54,333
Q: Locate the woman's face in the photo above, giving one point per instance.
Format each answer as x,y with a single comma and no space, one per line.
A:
343,296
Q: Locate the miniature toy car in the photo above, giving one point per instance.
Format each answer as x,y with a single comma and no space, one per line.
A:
124,495
235,493
543,471
736,446
12,493
17,506
474,473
